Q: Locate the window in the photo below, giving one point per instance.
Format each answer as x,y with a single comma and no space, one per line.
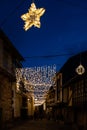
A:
5,59
24,102
78,94
85,87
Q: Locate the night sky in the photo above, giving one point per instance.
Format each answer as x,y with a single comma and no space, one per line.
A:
63,31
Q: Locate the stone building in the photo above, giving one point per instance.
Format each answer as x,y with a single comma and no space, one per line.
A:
23,102
10,58
74,90
50,103
70,95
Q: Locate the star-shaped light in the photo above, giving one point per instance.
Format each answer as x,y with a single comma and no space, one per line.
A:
32,17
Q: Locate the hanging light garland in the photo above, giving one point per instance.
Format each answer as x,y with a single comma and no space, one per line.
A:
37,81
32,17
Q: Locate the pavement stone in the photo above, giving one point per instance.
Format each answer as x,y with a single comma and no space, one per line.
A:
40,125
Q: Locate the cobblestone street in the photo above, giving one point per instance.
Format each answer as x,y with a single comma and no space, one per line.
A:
41,125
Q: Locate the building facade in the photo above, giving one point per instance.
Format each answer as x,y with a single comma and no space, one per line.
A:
74,91
10,58
71,92
50,102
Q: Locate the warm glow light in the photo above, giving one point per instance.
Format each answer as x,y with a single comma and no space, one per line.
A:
37,80
80,70
32,17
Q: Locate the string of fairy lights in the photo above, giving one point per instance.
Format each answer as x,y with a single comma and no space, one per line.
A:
37,80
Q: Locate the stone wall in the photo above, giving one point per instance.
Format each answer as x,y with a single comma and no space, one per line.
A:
82,118
6,99
1,52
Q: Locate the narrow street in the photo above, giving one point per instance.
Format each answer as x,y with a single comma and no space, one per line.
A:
41,125
43,65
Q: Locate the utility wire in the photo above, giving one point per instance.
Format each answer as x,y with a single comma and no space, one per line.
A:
47,56
74,4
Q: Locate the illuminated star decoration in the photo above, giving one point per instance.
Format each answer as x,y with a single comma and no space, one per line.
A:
32,17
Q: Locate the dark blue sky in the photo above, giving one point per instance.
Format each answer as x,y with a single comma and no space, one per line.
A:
63,30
